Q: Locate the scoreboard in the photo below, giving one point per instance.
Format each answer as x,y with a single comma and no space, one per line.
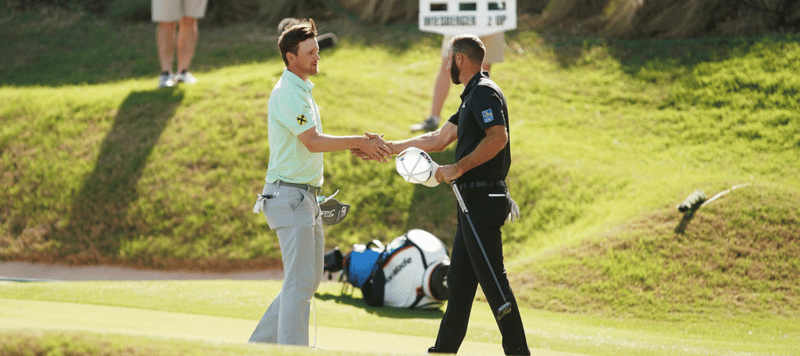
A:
475,17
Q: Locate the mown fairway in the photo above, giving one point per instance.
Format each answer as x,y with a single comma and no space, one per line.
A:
608,136
167,313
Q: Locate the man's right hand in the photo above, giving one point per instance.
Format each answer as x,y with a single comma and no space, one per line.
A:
373,148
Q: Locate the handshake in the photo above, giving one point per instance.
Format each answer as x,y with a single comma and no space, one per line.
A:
415,166
373,148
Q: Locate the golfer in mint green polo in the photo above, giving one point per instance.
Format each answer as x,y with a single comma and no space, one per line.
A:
292,111
294,178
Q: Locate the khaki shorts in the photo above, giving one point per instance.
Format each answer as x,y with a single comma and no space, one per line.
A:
495,45
174,10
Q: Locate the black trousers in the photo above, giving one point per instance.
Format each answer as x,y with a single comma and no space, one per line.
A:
488,207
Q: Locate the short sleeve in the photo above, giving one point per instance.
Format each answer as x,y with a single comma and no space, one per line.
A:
294,113
487,107
453,119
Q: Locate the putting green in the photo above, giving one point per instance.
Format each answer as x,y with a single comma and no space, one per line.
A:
45,315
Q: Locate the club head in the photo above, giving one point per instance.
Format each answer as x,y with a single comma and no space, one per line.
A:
327,40
504,310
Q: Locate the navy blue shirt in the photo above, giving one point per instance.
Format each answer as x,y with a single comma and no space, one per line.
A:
483,105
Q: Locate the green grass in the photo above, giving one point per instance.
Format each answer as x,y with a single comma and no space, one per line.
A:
73,343
704,266
103,344
126,306
98,166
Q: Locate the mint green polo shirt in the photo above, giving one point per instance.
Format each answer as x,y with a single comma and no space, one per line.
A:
292,111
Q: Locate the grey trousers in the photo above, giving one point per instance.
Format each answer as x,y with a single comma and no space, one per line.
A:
295,215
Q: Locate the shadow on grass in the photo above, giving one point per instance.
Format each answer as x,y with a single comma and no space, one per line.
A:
47,47
388,312
99,216
67,48
687,217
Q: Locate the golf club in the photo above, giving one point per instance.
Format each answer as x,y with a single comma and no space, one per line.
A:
504,309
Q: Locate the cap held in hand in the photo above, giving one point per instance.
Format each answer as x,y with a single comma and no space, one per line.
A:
416,166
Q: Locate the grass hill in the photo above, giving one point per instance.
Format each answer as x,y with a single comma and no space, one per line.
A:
99,166
734,256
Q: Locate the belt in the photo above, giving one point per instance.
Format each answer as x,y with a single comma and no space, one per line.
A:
487,184
310,188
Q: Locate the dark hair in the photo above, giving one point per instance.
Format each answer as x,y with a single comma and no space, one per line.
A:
290,38
470,46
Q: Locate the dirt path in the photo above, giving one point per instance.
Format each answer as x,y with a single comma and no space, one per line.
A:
36,271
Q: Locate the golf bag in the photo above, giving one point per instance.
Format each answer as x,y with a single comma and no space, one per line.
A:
410,272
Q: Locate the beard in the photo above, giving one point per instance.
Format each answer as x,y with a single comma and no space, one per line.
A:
455,73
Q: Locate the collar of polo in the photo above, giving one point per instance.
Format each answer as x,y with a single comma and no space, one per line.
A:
306,85
474,81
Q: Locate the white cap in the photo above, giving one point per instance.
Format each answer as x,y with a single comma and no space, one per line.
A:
416,166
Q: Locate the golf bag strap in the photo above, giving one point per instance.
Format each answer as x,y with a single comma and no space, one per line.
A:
414,305
424,264
421,253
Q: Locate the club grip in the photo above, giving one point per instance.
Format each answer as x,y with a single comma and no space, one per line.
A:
459,198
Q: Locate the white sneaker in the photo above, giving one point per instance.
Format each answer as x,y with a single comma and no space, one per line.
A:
166,80
185,77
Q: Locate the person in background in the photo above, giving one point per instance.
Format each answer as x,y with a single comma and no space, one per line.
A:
176,30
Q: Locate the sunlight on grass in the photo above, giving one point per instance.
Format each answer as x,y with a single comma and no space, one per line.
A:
100,167
236,306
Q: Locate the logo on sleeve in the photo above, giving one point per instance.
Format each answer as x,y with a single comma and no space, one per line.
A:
487,115
301,120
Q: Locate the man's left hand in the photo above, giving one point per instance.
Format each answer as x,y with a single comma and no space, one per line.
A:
447,173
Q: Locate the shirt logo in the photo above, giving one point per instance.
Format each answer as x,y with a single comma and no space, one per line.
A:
487,115
301,120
